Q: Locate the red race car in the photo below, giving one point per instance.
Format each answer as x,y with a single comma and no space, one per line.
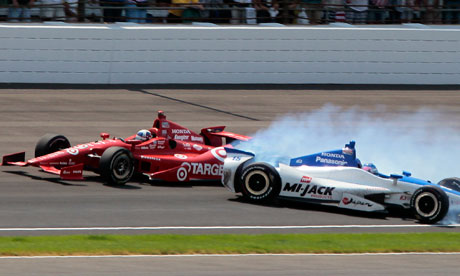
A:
167,151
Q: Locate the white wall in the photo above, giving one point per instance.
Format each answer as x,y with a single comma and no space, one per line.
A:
62,53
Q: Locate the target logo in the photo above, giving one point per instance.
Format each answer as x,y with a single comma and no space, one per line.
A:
182,172
219,153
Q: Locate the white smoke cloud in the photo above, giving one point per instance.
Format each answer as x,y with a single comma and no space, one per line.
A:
414,141
420,141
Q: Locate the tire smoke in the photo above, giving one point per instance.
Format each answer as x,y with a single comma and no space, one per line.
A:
419,141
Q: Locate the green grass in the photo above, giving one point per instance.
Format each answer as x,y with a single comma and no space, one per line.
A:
228,244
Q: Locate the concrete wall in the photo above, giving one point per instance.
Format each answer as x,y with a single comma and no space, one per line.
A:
111,54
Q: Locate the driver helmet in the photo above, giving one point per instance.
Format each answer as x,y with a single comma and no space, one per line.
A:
369,167
143,135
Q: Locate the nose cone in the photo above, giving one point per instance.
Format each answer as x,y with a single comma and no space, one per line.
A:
51,159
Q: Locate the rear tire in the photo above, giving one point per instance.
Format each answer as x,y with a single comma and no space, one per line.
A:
116,165
260,182
429,204
50,143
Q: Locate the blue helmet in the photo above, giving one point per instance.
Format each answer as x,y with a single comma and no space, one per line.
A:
143,135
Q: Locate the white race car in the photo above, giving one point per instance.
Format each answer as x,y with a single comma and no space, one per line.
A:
336,178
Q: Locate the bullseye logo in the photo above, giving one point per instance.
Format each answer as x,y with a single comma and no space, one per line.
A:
219,153
182,172
72,151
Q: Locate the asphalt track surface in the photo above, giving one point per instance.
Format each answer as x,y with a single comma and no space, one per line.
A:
258,265
30,199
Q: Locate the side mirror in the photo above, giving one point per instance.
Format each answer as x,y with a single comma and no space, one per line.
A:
104,135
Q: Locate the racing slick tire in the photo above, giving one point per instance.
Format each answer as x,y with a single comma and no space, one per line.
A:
260,182
429,204
50,143
116,165
451,183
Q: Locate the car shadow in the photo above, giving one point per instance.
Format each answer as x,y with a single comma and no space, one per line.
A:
399,213
49,179
189,184
59,181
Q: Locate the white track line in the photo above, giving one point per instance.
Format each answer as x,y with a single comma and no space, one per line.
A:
221,227
229,255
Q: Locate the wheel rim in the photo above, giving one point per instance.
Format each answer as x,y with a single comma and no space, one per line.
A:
121,167
426,204
257,183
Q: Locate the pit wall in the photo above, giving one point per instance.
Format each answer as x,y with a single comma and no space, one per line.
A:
136,54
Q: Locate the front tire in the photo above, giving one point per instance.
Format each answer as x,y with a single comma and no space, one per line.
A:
260,182
50,143
429,204
116,165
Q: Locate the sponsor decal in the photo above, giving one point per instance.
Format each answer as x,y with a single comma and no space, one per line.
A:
197,139
164,124
76,150
319,159
299,161
180,131
73,151
51,155
305,179
82,146
404,197
180,156
150,158
219,153
205,169
333,155
350,200
315,191
72,172
164,132
181,137
347,151
197,147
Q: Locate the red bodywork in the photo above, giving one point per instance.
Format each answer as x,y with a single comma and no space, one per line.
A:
175,154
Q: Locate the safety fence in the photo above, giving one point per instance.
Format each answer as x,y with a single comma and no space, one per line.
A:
230,12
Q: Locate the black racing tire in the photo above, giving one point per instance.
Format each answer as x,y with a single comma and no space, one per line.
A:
429,204
452,183
116,166
260,182
50,143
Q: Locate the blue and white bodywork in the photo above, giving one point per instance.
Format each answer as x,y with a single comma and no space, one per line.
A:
336,178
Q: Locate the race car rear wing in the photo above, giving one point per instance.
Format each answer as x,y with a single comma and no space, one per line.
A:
341,157
214,136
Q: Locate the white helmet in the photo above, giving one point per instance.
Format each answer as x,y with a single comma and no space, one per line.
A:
143,135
